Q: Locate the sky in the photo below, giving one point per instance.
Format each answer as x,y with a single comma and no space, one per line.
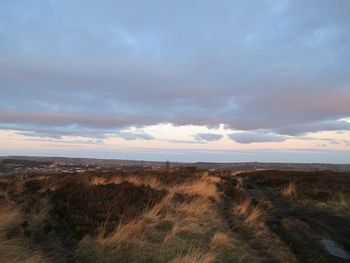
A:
230,81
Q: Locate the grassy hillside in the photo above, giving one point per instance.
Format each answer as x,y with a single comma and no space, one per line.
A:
173,216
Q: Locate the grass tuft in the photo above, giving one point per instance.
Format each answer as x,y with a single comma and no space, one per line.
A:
195,256
289,191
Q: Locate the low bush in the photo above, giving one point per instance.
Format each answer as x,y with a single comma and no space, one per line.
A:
88,207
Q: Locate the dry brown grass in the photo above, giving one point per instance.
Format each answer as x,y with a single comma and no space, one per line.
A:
195,208
289,191
249,212
15,249
250,223
174,231
40,211
130,228
15,252
243,207
221,241
195,256
122,233
178,224
184,226
9,216
205,187
134,179
338,202
256,214
343,200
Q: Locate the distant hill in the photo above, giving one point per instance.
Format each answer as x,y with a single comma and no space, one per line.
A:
244,166
239,166
88,161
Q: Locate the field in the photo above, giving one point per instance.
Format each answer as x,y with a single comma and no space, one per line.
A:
180,215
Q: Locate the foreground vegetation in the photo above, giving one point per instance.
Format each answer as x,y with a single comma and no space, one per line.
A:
305,210
115,217
173,216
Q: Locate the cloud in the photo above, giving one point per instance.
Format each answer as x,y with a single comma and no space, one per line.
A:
207,137
56,125
66,119
256,137
92,141
180,141
286,70
41,135
135,135
301,129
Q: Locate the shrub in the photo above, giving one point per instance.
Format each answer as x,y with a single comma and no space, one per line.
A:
87,207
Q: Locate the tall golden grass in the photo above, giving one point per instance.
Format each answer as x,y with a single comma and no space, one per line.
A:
190,221
15,249
256,214
220,241
205,186
195,208
243,206
134,179
343,200
195,256
252,214
130,228
9,216
289,191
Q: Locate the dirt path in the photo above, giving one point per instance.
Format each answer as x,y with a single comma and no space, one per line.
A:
305,230
251,238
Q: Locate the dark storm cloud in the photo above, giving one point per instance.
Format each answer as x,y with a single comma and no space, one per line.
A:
207,137
81,68
256,137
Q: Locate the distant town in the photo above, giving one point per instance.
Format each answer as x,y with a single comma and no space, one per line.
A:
19,167
24,165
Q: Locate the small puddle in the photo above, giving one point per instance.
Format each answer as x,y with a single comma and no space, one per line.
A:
335,249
